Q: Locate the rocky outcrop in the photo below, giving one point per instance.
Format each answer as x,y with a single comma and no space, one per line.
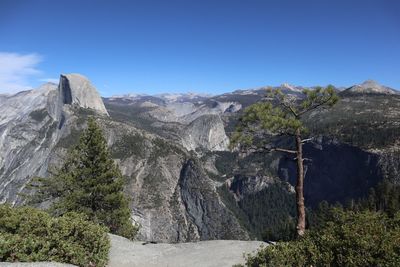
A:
203,205
175,197
75,89
389,162
218,253
246,185
206,132
28,131
31,125
16,108
336,172
187,112
125,253
38,126
168,189
195,122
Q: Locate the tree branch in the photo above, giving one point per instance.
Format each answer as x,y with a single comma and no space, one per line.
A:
283,150
308,139
290,109
315,106
255,149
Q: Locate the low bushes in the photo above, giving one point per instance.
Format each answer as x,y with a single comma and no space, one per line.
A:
349,239
28,234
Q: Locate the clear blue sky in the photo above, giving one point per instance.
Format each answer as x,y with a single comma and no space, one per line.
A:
201,46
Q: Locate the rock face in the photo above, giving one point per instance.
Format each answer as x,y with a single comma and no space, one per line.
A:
125,253
248,185
179,195
187,112
350,176
76,89
38,126
206,132
196,120
218,253
17,107
31,125
203,204
173,198
27,135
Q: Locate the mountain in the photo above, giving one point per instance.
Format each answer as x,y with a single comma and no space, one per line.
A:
173,197
370,87
167,97
31,125
184,183
195,123
76,89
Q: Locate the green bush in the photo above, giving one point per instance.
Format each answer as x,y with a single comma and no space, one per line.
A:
28,234
350,239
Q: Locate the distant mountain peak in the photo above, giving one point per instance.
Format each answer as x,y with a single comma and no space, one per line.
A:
371,87
168,97
291,87
288,86
76,89
180,96
370,83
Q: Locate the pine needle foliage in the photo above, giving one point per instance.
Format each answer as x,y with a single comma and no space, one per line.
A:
282,115
348,239
32,235
91,183
279,114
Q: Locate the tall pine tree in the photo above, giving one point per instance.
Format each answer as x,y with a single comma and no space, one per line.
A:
282,114
91,183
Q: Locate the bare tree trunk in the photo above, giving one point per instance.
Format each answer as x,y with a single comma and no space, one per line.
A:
301,213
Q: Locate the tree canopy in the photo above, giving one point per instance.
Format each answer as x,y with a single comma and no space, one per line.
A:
90,182
281,114
347,239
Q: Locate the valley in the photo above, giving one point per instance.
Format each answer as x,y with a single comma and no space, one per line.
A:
173,150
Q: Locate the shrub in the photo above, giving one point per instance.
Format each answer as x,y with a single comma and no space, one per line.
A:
350,239
28,234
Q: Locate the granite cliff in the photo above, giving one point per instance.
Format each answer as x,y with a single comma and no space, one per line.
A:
172,149
172,197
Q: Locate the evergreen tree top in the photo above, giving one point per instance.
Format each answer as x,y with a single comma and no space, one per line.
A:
280,114
90,182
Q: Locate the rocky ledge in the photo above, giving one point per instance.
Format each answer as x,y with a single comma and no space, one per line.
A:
124,253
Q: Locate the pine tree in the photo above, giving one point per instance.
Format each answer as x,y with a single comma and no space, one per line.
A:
90,182
282,115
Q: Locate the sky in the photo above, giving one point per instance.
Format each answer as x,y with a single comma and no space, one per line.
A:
204,46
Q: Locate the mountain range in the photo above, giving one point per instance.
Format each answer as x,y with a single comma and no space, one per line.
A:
184,183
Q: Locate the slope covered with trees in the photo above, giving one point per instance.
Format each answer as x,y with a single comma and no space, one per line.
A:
89,182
